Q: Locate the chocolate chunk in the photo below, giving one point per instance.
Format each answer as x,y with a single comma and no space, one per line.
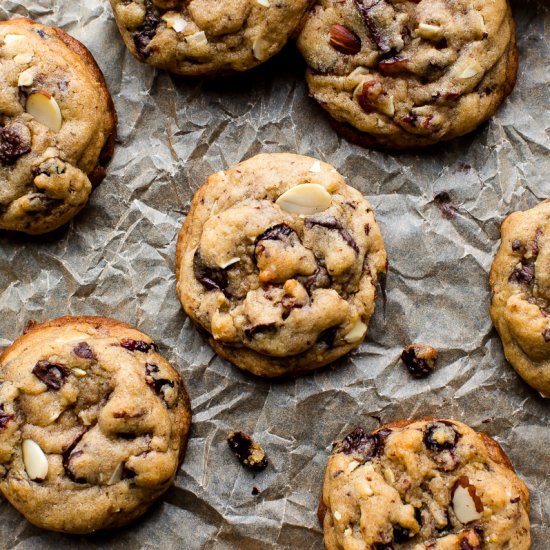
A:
276,233
211,278
15,141
445,204
319,279
517,245
137,345
358,441
419,359
145,34
328,336
401,534
259,329
51,374
378,17
523,273
161,386
255,491
84,351
248,452
70,454
330,222
440,436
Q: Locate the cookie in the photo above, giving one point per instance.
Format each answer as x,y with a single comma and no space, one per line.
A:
423,485
278,261
57,126
406,74
520,294
207,37
93,424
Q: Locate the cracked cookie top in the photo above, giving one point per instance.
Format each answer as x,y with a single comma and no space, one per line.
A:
409,73
520,285
93,424
207,37
278,260
57,126
422,485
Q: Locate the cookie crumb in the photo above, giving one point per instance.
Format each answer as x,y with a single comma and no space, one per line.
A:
31,323
445,204
248,452
419,359
255,491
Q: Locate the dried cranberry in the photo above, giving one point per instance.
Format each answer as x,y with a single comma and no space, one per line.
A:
535,247
211,278
84,351
330,222
137,345
248,452
14,143
523,274
69,455
4,418
440,436
369,445
276,233
51,374
517,245
145,34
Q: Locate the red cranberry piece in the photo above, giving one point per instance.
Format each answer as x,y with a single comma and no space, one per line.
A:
137,345
369,445
143,36
51,374
523,274
4,418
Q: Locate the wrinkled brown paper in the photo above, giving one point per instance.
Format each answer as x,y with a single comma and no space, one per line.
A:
117,259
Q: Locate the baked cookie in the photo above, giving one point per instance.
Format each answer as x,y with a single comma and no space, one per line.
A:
278,260
93,424
207,37
520,291
423,485
57,126
409,73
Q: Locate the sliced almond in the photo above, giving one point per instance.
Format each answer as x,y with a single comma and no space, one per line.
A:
13,39
353,465
79,373
306,198
466,504
430,32
264,3
197,39
117,474
26,78
357,332
36,462
260,48
315,167
229,262
44,108
23,58
175,21
337,516
471,70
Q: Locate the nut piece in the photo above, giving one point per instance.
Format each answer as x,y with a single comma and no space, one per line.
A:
197,39
260,48
466,504
248,452
264,3
344,40
44,108
357,332
419,359
231,261
36,462
307,198
429,32
26,78
175,21
471,70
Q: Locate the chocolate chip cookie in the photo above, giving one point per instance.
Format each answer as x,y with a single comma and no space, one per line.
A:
278,261
93,424
409,73
520,290
207,37
423,485
57,126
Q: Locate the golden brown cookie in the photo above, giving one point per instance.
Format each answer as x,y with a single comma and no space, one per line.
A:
207,37
520,290
278,261
93,424
57,126
406,74
423,485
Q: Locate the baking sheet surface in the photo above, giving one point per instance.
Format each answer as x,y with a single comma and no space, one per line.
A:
117,259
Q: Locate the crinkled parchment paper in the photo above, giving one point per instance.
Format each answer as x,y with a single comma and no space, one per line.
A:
117,259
